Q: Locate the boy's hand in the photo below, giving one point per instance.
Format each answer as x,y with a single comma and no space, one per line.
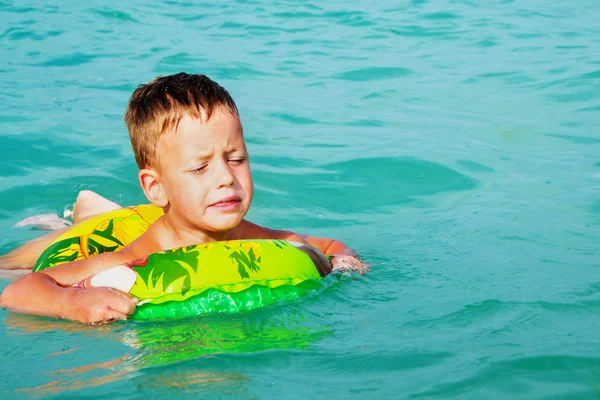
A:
99,305
343,262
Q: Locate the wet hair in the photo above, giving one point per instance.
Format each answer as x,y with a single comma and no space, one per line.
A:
158,106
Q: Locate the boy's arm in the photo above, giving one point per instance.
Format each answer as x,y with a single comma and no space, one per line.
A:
329,247
343,257
324,245
50,293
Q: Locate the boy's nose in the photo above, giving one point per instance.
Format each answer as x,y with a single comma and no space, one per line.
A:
225,176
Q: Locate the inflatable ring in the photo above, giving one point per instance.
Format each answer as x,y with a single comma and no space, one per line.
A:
230,276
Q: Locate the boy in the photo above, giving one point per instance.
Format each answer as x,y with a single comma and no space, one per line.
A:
188,143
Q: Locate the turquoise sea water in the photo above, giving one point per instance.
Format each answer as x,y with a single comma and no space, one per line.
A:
454,144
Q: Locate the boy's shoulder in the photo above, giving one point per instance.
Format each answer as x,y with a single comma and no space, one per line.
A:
250,230
157,238
144,245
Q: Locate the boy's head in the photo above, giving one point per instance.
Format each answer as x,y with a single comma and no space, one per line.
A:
189,145
158,106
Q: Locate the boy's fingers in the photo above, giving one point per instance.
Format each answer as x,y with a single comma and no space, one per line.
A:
122,304
124,295
123,307
115,315
110,317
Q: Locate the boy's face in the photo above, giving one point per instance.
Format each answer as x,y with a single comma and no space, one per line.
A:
205,173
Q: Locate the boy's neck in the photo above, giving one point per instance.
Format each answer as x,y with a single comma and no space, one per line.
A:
172,236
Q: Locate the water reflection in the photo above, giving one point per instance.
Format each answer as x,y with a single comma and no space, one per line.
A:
161,344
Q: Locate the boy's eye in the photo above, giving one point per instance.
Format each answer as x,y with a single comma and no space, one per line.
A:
198,170
237,161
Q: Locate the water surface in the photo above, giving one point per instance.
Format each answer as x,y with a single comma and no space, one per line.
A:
454,144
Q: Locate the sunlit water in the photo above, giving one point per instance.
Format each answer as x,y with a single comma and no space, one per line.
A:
454,144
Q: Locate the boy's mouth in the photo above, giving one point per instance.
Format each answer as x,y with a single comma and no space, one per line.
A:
226,204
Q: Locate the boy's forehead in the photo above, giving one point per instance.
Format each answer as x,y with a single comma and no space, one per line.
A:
220,118
222,124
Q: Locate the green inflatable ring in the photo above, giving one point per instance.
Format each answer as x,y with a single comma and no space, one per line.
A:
219,277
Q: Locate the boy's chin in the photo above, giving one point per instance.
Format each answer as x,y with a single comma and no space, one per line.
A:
225,224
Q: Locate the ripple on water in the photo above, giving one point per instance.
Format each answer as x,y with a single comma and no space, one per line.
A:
417,31
367,184
365,123
39,153
575,138
591,75
181,61
16,33
437,16
489,318
588,109
555,376
509,77
115,15
474,166
373,74
69,60
384,361
125,87
573,96
594,208
294,119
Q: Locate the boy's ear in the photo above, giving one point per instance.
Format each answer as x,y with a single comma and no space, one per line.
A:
150,183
